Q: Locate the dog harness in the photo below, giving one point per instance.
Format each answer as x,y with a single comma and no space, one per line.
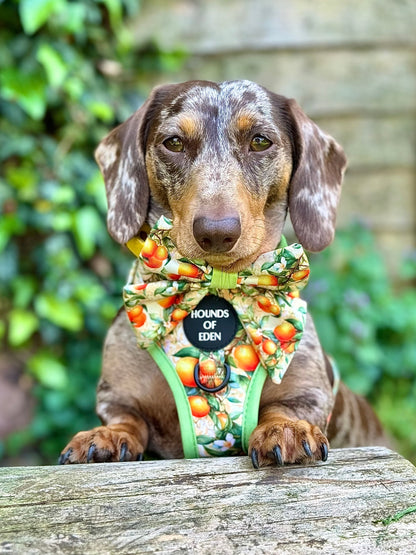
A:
216,336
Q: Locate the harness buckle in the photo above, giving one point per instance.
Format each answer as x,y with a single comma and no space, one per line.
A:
205,387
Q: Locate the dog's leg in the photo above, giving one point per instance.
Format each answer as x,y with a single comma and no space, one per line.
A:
293,415
125,434
134,403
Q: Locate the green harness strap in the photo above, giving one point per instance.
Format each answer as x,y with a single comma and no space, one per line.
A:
250,411
220,280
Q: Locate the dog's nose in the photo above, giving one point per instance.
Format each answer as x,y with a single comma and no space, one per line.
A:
216,235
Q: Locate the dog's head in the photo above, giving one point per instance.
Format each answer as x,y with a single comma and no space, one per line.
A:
226,161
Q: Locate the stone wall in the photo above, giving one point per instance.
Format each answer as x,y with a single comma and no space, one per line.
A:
352,67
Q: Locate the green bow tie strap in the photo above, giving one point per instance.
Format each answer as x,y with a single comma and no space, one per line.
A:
164,288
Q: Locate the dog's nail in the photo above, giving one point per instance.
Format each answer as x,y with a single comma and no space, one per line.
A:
307,448
254,458
139,457
123,452
278,455
63,457
324,451
91,452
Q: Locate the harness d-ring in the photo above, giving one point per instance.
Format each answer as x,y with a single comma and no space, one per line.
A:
212,389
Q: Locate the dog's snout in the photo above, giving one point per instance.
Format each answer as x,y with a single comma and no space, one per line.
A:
216,235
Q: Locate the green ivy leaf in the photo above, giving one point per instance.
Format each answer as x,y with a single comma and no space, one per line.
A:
34,13
101,110
64,313
24,288
88,227
27,89
48,370
10,225
56,69
22,324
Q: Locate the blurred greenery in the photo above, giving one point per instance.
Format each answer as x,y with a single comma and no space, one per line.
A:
369,325
69,72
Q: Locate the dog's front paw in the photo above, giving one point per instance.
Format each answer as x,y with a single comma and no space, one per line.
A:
282,440
103,444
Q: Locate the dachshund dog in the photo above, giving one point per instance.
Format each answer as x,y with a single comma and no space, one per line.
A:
225,162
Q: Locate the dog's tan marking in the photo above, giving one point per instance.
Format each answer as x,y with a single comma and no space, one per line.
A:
245,121
190,125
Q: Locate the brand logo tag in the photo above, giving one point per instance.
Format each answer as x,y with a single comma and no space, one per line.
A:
212,324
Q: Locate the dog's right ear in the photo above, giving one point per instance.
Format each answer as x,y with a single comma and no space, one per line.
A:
121,158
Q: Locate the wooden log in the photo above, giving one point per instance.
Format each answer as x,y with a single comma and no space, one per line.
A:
211,506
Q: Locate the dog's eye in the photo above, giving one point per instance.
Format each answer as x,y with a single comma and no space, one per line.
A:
259,143
174,144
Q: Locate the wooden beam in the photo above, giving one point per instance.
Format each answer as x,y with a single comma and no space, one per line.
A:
211,506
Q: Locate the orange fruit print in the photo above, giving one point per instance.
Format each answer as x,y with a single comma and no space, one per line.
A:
285,331
149,248
264,303
161,253
185,369
269,347
267,280
136,316
199,406
179,314
300,274
155,254
246,357
256,335
167,301
188,270
135,312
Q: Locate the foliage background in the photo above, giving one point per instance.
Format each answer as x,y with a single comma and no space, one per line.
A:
69,72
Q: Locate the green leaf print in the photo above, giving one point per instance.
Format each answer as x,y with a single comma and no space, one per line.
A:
236,430
242,381
131,303
204,440
235,414
297,324
233,400
213,403
160,290
231,361
188,352
218,453
267,266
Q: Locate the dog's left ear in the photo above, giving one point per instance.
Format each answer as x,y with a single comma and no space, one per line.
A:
315,187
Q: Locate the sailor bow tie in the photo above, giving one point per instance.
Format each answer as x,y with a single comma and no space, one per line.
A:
164,287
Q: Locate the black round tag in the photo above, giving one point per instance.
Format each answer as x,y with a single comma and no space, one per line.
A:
212,324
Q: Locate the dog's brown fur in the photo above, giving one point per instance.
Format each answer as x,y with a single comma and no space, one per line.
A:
218,177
